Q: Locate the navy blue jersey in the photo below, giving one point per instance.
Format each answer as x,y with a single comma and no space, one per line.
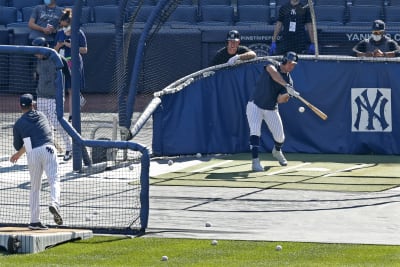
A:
266,91
223,56
35,125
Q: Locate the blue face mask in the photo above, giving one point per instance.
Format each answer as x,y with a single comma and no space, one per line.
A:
47,2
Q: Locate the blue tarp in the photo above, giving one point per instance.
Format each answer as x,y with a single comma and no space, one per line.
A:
360,99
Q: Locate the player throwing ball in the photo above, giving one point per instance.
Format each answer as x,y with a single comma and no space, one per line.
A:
32,134
275,86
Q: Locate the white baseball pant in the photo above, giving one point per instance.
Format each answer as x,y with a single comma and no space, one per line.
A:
43,158
48,107
272,118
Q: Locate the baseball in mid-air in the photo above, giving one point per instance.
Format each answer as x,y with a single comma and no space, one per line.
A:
170,162
301,109
278,248
164,258
198,155
214,242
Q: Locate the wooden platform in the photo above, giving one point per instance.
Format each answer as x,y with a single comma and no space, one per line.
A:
24,240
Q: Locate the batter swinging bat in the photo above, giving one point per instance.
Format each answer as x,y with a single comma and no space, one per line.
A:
313,108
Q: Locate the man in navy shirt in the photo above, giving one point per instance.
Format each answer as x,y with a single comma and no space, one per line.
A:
274,86
32,134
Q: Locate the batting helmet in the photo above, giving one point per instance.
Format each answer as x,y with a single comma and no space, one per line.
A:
40,41
233,35
290,56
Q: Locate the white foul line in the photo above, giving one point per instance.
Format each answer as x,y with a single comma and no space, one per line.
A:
348,169
289,168
212,166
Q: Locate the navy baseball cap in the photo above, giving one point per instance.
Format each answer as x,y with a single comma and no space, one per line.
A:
26,100
233,35
378,25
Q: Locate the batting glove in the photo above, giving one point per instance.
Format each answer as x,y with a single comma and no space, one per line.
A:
272,49
233,60
290,90
311,49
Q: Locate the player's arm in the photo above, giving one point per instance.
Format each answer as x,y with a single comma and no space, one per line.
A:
14,158
360,50
394,49
247,55
277,30
46,30
277,77
310,31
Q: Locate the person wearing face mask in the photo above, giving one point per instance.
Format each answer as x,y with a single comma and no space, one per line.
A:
233,51
378,45
293,20
63,47
44,21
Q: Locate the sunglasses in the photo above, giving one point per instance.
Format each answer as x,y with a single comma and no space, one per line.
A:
377,32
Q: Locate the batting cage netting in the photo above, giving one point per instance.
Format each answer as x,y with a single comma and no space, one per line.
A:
108,194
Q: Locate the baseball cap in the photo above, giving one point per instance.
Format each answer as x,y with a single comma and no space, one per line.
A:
378,25
26,100
290,57
233,35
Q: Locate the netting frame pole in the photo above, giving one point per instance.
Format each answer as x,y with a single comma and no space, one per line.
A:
139,61
76,83
314,26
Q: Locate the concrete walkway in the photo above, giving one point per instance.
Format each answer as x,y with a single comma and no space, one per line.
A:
272,215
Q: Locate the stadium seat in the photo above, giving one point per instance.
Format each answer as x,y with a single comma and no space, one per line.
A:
93,3
330,2
64,3
363,15
26,13
252,2
392,17
216,15
20,4
186,3
183,15
142,16
214,2
253,15
7,15
367,3
105,14
329,15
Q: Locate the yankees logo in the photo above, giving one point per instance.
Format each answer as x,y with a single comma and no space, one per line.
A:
371,110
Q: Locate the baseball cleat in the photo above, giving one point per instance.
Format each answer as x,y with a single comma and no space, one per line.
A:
57,217
68,155
37,226
279,156
256,165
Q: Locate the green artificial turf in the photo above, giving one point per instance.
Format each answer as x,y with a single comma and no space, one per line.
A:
121,251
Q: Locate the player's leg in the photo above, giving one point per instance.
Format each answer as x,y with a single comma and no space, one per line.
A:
35,167
44,105
59,129
274,123
254,119
51,170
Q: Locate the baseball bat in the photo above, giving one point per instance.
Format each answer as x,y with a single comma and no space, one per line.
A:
319,113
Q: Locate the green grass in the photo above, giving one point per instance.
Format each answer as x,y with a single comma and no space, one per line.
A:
119,251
